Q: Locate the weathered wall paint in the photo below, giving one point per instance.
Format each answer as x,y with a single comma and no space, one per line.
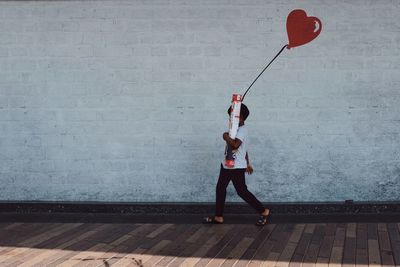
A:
126,100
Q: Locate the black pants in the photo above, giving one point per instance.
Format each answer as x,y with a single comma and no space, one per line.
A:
238,178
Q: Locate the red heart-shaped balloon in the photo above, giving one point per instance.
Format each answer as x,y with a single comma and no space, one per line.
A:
301,29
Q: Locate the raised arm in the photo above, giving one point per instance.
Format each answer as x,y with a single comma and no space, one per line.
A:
233,143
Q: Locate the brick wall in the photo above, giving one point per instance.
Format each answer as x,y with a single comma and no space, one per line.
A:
126,100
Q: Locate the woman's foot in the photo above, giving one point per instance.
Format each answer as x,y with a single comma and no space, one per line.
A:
213,220
262,220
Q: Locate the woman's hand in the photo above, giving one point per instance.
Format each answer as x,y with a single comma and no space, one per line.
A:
249,169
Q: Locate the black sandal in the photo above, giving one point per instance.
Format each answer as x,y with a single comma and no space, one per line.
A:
211,220
262,220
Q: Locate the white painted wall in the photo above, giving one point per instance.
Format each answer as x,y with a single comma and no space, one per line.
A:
126,100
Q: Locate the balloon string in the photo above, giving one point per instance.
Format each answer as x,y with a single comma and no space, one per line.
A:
264,70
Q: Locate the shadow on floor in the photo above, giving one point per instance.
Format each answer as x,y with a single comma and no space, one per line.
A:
164,243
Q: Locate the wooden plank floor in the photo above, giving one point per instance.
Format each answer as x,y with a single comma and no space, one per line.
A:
97,244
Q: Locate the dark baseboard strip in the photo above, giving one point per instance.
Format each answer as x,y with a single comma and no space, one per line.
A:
192,218
197,208
114,212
